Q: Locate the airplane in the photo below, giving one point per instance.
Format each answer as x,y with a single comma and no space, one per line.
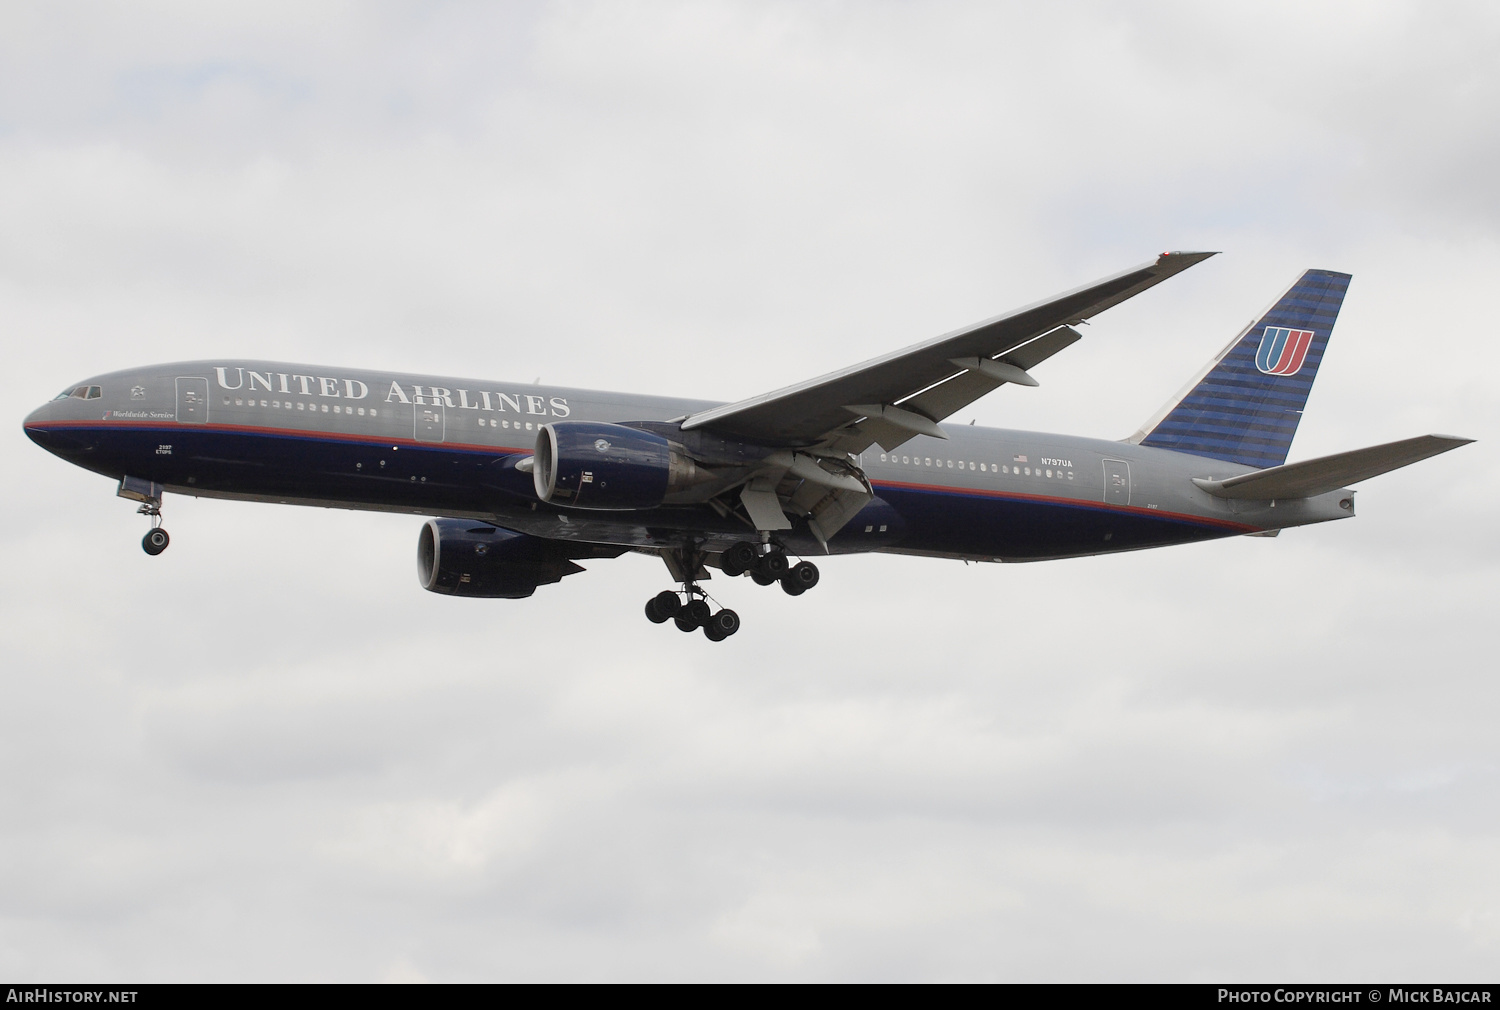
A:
524,481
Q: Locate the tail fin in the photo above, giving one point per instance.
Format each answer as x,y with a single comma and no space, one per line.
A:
1245,405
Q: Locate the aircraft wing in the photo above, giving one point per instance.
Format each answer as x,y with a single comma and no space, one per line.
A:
905,393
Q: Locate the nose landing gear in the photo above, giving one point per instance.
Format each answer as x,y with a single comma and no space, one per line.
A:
148,493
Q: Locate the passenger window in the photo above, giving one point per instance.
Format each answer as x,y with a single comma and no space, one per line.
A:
982,468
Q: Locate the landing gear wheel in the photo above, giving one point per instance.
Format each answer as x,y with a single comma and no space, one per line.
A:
722,625
762,579
802,577
698,611
155,542
773,564
685,623
739,559
662,607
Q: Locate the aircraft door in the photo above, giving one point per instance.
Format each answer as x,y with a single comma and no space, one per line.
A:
430,422
1116,482
192,400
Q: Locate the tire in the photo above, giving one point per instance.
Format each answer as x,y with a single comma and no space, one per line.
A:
684,624
155,542
667,604
738,560
804,574
653,612
762,579
713,634
790,587
698,611
774,564
724,624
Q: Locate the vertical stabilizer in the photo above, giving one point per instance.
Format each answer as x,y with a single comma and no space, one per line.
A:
1245,405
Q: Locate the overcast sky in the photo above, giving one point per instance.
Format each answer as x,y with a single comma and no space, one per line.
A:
269,755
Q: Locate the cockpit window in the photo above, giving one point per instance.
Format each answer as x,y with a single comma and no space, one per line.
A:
80,393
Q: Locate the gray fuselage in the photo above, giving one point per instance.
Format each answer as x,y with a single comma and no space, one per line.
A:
296,434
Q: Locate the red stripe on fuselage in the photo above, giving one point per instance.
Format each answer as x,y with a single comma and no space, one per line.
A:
247,429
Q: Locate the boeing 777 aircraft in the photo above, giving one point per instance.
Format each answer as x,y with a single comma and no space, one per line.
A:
525,481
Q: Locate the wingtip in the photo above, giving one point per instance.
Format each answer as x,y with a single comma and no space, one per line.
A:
1181,256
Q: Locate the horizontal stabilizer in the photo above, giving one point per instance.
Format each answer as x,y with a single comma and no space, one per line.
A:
1329,473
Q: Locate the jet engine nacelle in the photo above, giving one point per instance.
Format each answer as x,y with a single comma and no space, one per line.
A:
590,465
460,557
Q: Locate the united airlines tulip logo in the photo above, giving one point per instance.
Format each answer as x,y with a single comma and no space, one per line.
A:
1282,350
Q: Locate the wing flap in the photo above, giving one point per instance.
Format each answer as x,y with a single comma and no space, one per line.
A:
1329,473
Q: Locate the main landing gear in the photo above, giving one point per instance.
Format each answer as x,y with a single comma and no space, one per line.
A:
693,613
769,567
689,608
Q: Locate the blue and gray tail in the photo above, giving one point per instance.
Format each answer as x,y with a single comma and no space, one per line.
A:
1245,405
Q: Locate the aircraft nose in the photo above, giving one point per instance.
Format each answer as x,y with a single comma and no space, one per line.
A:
35,425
